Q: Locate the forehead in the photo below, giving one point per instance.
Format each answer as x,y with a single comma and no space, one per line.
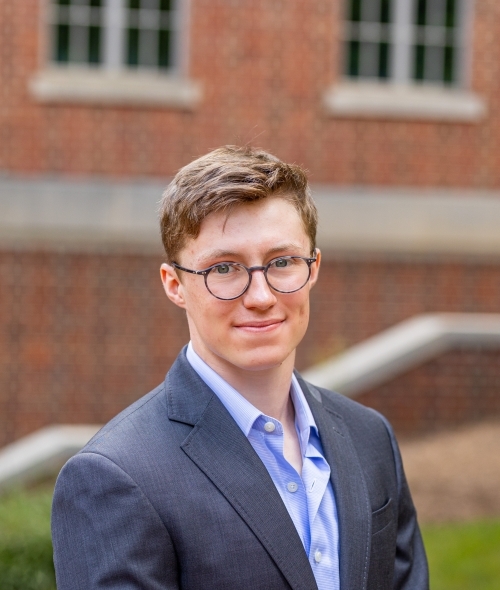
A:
267,225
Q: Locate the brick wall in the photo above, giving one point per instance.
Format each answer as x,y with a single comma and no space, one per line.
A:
84,335
458,387
264,67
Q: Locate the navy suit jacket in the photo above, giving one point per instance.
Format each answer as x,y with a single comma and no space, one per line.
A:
171,495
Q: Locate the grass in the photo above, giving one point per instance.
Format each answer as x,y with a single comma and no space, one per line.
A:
464,556
461,556
25,545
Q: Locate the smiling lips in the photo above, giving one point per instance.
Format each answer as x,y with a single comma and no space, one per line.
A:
260,327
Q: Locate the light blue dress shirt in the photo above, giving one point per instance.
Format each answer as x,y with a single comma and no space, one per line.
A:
309,496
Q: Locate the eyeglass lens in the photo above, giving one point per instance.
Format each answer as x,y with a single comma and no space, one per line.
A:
230,280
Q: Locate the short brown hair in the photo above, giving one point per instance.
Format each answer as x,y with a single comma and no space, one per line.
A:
224,178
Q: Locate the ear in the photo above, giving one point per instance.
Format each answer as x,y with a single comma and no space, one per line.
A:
172,285
315,267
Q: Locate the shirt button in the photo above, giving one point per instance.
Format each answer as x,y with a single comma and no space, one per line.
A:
269,426
317,556
292,487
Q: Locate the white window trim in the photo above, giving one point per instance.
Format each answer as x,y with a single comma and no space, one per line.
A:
112,83
86,85
403,101
399,97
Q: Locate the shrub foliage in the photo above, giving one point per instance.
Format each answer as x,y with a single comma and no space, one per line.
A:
25,545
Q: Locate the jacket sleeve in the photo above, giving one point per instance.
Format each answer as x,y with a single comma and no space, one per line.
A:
106,534
410,568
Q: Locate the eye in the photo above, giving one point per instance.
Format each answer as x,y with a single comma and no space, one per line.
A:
281,263
222,269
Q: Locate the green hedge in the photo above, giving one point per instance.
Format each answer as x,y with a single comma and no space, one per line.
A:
25,545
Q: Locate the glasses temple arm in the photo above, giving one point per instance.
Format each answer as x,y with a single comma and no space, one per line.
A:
194,272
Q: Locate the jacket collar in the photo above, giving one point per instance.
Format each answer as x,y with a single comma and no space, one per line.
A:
351,494
220,449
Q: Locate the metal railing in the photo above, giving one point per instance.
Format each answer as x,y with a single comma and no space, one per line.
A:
402,347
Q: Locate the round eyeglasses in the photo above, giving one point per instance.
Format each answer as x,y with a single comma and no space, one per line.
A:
229,280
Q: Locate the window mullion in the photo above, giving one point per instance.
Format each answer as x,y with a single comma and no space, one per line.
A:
114,34
402,39
463,66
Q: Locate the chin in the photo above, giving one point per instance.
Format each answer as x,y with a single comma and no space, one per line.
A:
260,360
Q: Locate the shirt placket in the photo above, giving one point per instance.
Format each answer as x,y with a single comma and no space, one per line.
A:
291,488
316,476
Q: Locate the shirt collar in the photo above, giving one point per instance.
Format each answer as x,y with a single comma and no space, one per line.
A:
243,412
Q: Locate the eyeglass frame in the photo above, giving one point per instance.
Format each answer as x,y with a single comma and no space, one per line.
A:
250,270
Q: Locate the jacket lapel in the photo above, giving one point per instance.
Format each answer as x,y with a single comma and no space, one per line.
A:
351,495
220,449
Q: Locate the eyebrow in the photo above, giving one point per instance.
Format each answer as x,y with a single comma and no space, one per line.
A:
285,247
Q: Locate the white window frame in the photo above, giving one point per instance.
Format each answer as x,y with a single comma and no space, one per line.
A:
112,81
402,34
403,39
399,96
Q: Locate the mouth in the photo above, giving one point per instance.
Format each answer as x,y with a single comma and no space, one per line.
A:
260,327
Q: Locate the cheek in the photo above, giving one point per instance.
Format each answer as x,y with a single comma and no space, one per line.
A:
208,313
298,310
302,303
304,316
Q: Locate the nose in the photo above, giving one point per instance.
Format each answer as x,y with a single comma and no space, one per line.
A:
259,294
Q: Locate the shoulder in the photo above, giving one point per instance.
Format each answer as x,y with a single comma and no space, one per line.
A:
136,450
138,439
131,423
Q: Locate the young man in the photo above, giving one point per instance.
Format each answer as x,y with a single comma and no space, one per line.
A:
234,472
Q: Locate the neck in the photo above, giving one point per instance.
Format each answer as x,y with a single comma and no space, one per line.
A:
268,389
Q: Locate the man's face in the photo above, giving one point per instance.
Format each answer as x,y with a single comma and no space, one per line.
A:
261,329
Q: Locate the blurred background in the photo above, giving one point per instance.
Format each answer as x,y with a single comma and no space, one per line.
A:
393,106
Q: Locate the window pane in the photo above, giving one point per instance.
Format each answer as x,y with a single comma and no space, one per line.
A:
149,4
62,43
133,47
352,64
449,64
421,6
419,62
355,12
436,13
367,44
77,31
94,45
437,49
78,46
148,52
368,61
450,13
434,64
385,11
370,11
164,49
383,68
149,33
